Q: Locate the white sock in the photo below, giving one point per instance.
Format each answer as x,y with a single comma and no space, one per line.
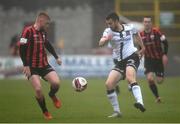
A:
114,101
136,90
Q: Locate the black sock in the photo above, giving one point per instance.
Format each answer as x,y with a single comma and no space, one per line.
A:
42,104
154,89
133,84
53,90
110,91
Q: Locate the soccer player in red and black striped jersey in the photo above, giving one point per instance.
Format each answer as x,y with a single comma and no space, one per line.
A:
156,49
33,45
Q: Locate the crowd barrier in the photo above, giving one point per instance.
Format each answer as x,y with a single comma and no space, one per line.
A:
72,66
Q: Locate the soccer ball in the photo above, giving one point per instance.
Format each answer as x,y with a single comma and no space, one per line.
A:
79,84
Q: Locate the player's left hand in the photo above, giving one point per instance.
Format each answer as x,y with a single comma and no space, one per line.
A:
165,60
58,61
26,71
141,52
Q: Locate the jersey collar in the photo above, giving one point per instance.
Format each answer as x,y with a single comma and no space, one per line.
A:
121,30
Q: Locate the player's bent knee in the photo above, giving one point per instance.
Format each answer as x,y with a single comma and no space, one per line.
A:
151,81
55,85
109,86
130,79
57,80
38,92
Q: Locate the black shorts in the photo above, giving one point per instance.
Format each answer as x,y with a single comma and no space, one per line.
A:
132,60
155,66
41,71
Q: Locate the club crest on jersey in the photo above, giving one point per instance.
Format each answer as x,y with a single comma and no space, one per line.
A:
127,33
44,37
152,36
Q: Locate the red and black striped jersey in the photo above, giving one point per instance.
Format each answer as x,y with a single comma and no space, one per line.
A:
152,42
32,47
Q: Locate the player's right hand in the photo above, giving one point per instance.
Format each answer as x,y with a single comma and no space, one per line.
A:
26,71
104,40
58,61
141,52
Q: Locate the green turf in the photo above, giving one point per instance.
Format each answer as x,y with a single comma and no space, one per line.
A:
17,103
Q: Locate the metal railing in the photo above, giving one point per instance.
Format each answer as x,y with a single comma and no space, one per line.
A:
151,8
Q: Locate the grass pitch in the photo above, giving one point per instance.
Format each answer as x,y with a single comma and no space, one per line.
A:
18,104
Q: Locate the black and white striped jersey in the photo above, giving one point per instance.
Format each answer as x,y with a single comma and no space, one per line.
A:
122,42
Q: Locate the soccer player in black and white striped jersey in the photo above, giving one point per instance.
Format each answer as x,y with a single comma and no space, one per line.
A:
126,59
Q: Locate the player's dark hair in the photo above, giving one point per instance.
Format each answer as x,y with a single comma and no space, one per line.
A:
147,17
113,16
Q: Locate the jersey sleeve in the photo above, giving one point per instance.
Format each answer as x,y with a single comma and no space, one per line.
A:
160,34
106,33
50,48
25,37
165,43
163,40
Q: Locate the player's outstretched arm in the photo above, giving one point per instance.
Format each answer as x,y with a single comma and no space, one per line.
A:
165,57
165,49
23,53
50,48
104,40
58,61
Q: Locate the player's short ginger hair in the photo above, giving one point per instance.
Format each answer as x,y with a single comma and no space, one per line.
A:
42,15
